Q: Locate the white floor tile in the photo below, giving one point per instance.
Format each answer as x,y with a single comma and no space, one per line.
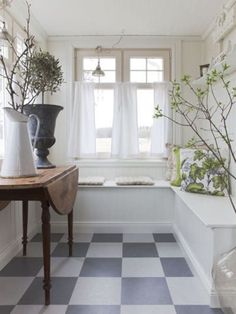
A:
105,250
187,291
138,237
12,289
64,267
147,309
166,249
78,237
39,309
97,291
35,249
142,267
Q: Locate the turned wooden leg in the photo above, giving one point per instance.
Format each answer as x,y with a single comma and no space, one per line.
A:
46,250
25,225
70,232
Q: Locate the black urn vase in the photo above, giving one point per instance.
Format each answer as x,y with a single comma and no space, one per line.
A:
47,115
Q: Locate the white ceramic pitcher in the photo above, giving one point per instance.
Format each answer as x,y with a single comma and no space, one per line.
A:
18,159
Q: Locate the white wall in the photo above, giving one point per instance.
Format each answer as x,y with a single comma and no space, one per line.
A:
11,217
210,51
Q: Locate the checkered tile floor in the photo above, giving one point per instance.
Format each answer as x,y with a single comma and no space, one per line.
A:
108,274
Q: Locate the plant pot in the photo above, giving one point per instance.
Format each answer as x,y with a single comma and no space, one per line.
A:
47,115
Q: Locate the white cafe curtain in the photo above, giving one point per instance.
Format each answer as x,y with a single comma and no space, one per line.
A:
82,135
125,121
162,127
125,143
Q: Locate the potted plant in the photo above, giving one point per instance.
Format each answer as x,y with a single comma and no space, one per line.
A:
33,72
45,75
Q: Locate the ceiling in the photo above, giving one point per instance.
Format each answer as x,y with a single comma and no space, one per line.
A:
133,17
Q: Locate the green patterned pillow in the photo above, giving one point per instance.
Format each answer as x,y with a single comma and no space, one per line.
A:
176,171
202,173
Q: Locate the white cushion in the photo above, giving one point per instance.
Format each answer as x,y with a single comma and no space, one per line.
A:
134,181
91,180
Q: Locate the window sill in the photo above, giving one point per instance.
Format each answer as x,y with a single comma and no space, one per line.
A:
118,163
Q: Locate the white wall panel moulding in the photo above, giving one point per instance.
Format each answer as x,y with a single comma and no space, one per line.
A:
225,21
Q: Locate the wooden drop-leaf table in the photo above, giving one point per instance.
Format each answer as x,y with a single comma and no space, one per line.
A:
56,187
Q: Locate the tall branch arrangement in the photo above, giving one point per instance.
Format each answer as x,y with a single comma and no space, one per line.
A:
204,106
17,74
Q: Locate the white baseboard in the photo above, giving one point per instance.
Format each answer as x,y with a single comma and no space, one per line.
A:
213,299
14,247
113,227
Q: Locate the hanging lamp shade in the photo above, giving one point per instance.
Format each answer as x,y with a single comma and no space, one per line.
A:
98,71
4,34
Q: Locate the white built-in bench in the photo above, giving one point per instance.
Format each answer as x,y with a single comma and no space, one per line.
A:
205,226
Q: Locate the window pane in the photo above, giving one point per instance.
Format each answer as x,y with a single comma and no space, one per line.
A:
154,76
110,77
90,63
145,99
87,76
137,63
154,64
108,63
104,99
138,76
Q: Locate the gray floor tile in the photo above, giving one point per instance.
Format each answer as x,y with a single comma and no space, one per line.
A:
22,267
176,267
93,309
139,250
142,267
78,237
64,267
35,249
61,291
12,289
138,237
6,309
145,291
196,295
40,309
196,309
105,250
79,250
101,267
55,237
97,291
107,237
148,309
164,237
170,249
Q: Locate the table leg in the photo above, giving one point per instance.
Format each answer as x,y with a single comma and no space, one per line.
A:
70,232
25,225
46,250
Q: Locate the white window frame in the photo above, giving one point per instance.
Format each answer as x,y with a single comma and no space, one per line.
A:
82,53
164,54
122,57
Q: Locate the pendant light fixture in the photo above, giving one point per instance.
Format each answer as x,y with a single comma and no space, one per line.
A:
4,34
98,72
